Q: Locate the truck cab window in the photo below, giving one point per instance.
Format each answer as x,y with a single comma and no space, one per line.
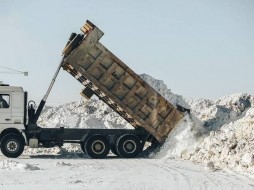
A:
4,101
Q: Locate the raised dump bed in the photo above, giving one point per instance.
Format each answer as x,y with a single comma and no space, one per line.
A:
106,76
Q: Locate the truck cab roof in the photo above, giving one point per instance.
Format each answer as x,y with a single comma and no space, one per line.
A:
5,88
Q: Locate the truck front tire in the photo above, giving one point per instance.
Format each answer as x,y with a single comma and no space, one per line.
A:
12,145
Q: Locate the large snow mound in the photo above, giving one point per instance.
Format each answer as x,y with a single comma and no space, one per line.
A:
231,146
162,88
91,114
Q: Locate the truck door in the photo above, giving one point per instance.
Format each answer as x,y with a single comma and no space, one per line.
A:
5,109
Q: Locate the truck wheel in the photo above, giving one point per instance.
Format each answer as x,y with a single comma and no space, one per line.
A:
97,146
12,145
128,146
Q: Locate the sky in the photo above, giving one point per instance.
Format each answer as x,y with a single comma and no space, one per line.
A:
199,48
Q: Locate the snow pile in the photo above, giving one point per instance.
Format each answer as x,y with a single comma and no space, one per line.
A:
214,114
13,165
206,116
230,147
162,88
91,114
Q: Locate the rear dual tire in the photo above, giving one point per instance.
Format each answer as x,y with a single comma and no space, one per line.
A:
96,146
128,146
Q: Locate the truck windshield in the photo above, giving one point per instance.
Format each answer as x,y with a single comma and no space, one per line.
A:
4,101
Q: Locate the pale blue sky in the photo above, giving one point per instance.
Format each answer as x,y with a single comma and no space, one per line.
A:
200,48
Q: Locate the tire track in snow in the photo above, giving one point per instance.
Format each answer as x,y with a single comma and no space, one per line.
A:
176,174
198,179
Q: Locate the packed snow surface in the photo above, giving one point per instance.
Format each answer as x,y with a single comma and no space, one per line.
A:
218,134
112,173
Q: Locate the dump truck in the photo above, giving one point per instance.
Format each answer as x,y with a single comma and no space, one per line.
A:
113,82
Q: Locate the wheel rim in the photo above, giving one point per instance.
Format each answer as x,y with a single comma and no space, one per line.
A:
12,146
129,146
98,147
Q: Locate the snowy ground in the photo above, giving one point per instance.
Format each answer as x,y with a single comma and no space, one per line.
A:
50,172
209,149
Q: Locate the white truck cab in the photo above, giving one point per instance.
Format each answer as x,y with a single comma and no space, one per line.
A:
12,107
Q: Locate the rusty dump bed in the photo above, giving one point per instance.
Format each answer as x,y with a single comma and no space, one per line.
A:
103,74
